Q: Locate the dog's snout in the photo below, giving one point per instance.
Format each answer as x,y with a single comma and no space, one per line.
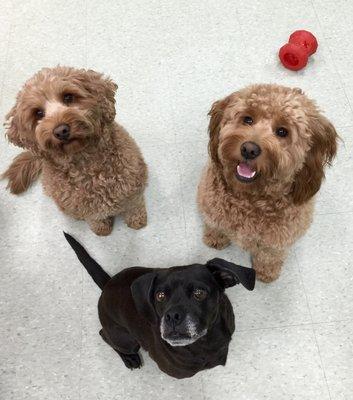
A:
250,150
62,132
174,317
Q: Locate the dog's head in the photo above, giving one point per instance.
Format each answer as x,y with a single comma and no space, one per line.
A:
61,110
267,134
184,301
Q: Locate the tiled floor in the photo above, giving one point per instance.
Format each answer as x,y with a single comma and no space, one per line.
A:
172,59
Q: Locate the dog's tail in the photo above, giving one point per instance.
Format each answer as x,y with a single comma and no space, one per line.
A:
93,268
23,171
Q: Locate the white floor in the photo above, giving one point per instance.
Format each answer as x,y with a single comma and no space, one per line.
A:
172,59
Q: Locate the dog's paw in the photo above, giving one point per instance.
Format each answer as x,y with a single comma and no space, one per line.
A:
266,278
103,227
266,273
136,221
215,240
131,361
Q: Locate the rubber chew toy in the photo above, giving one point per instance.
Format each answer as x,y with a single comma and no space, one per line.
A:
295,54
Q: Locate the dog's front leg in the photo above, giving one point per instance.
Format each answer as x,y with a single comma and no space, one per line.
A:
135,214
101,227
267,262
212,237
130,356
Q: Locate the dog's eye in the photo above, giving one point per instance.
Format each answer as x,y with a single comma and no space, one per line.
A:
199,294
281,132
68,98
248,120
160,296
39,113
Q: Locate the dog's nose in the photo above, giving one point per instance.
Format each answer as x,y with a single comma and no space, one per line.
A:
250,150
62,132
174,317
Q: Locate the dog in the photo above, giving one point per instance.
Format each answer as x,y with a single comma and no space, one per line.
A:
180,315
90,165
268,147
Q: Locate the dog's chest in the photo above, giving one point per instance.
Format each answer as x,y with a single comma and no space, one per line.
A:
237,213
96,182
246,217
104,177
185,362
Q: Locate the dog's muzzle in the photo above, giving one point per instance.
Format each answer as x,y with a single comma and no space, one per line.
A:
245,170
180,332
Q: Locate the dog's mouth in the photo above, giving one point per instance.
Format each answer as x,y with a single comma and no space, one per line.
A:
64,142
70,141
184,334
177,339
72,144
244,172
76,142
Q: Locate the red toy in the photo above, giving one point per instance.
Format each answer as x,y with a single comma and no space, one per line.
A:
294,55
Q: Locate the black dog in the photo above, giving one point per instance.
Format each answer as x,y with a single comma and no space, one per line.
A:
180,315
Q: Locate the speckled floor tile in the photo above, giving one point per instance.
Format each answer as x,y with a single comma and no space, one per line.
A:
103,376
325,259
50,375
269,364
336,348
172,60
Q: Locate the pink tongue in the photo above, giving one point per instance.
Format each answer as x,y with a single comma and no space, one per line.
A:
245,170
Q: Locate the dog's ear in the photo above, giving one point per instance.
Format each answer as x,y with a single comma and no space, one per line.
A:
13,128
216,115
228,274
12,131
103,89
18,130
323,149
142,294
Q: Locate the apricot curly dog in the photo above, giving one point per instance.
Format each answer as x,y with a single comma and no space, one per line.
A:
90,165
268,148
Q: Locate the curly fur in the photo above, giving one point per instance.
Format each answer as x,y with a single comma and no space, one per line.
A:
23,171
96,174
267,215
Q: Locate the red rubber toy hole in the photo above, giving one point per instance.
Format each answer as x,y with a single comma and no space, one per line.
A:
293,56
305,39
291,59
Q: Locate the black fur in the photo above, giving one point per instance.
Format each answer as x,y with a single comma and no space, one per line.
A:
97,273
182,333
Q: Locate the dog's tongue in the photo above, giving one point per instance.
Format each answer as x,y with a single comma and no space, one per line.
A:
245,170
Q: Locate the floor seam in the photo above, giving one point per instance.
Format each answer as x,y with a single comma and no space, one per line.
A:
81,338
332,58
335,213
82,271
180,176
7,53
86,33
303,324
321,362
313,326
